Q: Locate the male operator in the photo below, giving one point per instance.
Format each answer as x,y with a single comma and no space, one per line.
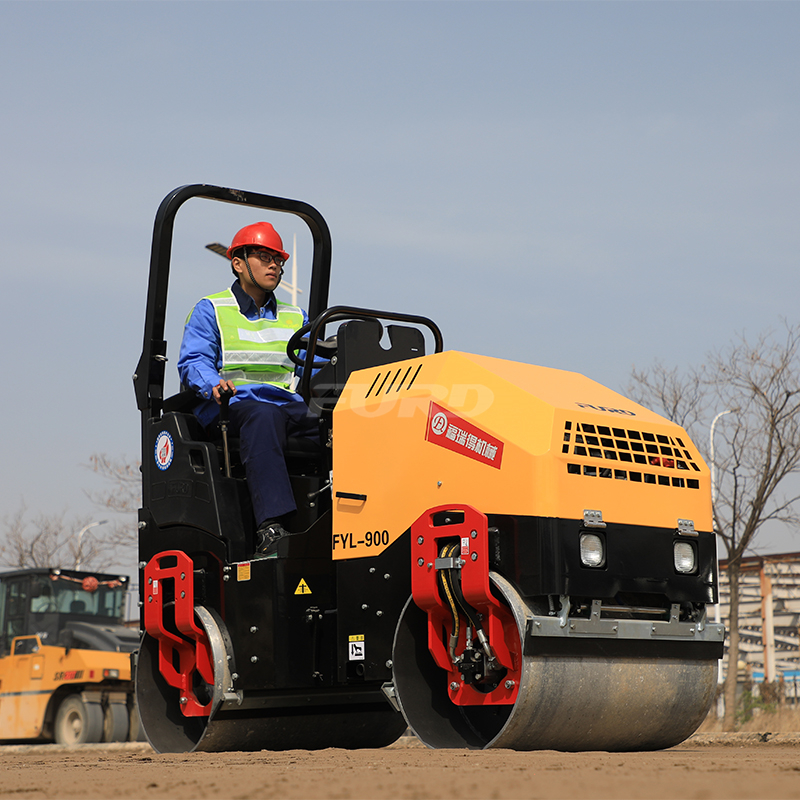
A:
235,342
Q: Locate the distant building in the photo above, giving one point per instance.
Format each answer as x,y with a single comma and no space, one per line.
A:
769,617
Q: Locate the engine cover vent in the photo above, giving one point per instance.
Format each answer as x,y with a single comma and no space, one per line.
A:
629,446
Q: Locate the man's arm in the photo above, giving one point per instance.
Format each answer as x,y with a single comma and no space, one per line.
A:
200,357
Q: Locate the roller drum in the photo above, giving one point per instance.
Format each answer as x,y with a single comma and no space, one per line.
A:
229,728
564,703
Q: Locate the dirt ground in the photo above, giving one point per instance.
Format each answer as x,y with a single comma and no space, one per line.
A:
707,767
783,720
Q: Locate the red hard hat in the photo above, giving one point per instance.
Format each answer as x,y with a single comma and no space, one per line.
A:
260,234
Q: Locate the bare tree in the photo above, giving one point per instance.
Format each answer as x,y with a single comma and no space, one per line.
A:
51,540
122,497
681,397
759,443
124,494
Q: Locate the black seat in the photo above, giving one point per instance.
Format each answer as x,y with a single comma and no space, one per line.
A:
359,347
302,453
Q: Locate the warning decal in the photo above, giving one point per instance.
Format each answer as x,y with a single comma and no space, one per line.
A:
356,647
302,587
243,571
448,430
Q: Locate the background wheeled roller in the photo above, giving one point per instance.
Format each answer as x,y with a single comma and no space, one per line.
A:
65,664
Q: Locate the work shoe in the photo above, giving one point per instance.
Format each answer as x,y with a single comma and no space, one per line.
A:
267,537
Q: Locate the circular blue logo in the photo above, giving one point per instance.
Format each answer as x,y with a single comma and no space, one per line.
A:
164,451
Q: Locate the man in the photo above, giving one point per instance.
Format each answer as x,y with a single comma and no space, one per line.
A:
235,341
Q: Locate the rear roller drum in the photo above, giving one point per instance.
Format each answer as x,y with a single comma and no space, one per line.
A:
563,703
160,705
228,727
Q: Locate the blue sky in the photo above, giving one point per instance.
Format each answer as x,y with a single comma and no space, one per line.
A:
580,185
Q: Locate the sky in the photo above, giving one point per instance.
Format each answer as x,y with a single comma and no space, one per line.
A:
587,186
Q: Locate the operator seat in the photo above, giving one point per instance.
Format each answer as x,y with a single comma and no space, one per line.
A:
359,347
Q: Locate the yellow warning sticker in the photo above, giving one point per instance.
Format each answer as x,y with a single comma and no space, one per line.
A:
355,647
302,587
243,571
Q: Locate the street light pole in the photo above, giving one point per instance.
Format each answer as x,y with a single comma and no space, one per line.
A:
721,700
711,453
83,530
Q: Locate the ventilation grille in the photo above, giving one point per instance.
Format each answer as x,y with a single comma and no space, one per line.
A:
393,380
627,455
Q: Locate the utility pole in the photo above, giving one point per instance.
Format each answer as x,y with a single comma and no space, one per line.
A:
767,626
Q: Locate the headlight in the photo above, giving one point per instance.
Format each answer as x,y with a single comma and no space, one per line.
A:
111,673
685,557
592,550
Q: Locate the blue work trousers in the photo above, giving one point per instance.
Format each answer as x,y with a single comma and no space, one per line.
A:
263,429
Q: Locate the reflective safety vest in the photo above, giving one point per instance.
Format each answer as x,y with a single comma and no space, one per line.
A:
254,351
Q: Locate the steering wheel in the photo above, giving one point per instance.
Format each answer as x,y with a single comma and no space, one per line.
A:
327,347
297,343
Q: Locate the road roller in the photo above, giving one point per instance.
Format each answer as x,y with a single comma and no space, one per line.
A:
485,552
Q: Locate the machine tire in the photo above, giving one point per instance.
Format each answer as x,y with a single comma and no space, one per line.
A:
135,731
78,722
115,723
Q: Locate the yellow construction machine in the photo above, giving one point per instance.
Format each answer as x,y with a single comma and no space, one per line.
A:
491,553
65,671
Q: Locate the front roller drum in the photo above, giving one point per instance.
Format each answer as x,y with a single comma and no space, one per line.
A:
568,703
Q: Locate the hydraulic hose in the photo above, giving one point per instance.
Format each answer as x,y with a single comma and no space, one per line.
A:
453,586
446,584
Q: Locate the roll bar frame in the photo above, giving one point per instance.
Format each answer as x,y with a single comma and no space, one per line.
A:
148,380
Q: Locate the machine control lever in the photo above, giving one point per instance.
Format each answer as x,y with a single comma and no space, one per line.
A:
224,420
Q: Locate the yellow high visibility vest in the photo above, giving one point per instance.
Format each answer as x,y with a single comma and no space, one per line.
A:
254,351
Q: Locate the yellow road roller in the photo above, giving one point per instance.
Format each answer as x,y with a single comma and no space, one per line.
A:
490,553
65,669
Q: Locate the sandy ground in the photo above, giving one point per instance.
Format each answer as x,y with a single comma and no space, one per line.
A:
707,767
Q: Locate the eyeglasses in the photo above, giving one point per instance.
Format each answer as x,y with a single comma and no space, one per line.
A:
266,257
